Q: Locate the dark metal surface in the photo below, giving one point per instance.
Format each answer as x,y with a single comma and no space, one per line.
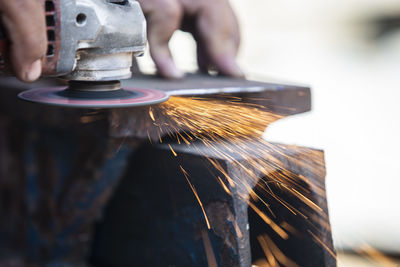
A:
53,186
154,212
198,84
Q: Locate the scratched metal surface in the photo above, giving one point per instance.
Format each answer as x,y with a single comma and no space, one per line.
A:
198,84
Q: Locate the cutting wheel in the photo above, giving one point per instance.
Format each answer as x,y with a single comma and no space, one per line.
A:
94,95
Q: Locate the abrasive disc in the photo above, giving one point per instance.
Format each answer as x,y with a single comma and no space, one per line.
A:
122,98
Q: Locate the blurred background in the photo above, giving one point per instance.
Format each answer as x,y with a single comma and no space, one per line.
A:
348,51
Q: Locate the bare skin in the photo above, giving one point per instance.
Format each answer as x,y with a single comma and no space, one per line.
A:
213,25
24,21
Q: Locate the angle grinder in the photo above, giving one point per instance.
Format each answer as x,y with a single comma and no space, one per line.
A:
91,43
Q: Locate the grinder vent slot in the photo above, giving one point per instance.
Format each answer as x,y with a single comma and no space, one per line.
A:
118,2
51,35
51,21
50,50
49,6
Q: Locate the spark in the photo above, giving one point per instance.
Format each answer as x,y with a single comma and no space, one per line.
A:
237,229
232,130
197,196
276,252
289,228
307,201
225,127
123,141
151,113
173,151
224,186
268,221
268,253
378,256
367,252
211,260
148,136
91,117
319,241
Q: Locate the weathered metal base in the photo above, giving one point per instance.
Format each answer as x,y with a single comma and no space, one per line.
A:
53,186
155,220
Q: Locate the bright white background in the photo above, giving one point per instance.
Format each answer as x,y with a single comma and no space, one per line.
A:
356,98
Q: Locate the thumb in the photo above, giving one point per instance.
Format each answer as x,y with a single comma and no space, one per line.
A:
24,21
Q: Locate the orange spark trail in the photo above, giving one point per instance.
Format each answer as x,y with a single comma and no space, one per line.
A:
319,241
211,260
268,253
151,113
224,186
266,219
277,253
232,130
197,196
172,150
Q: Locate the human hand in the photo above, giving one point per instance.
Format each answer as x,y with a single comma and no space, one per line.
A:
24,22
211,22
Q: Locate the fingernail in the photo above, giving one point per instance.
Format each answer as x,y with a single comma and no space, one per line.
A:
34,71
176,73
171,71
237,71
233,68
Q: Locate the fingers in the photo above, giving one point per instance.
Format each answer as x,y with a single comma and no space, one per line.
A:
215,28
163,19
24,22
218,38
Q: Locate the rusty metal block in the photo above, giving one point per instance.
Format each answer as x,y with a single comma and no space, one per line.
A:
155,220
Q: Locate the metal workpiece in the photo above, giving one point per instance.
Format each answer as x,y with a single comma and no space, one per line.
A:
96,44
135,122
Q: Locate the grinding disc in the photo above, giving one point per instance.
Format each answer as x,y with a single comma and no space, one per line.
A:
122,98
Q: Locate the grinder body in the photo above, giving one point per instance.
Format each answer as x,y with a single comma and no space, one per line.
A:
88,40
91,43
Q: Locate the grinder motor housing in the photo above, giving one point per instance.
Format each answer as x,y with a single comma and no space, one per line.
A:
89,40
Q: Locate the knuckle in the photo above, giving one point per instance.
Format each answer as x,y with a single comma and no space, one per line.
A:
170,9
